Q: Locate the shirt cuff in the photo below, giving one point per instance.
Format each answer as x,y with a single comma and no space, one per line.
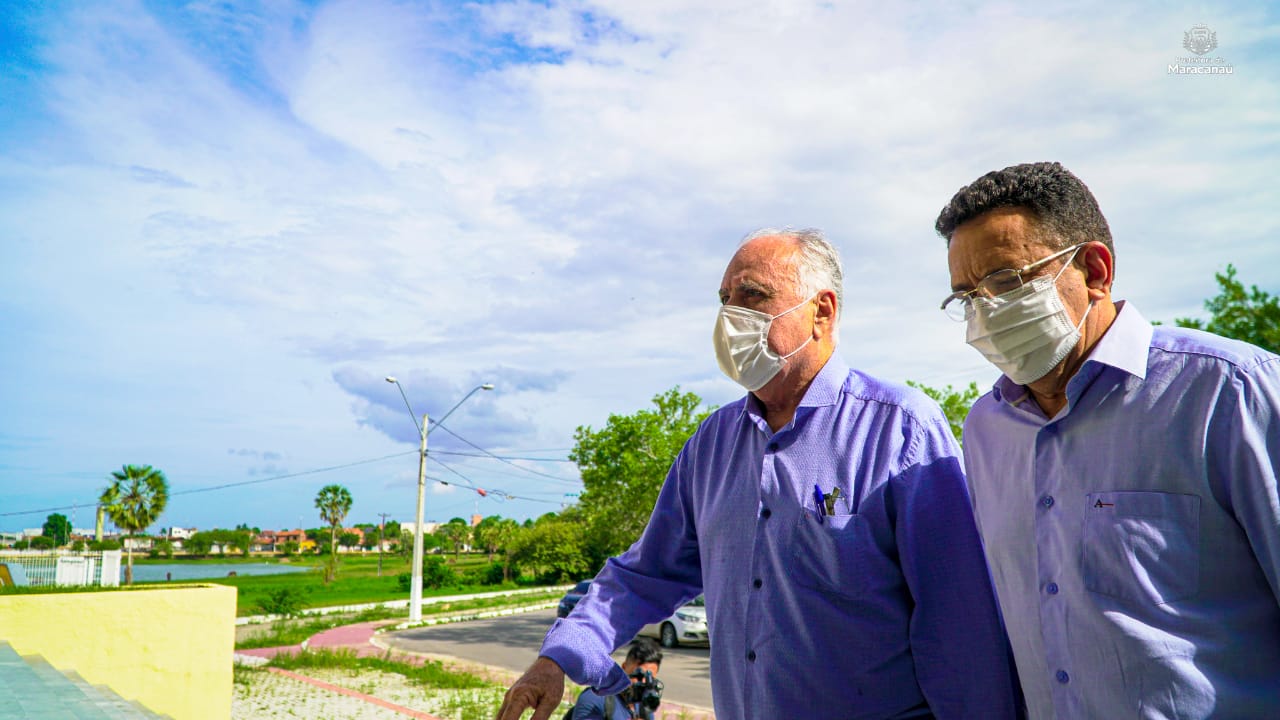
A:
581,664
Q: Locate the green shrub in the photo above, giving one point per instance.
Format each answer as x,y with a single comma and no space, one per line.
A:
287,601
436,573
490,574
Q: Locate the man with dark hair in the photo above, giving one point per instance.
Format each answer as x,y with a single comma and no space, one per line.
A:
643,657
1124,477
825,516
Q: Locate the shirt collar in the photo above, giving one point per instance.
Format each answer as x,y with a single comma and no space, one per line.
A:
1125,346
824,390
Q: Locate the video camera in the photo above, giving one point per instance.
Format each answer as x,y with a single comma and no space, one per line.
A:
644,695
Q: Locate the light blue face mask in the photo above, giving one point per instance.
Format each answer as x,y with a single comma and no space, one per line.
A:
741,340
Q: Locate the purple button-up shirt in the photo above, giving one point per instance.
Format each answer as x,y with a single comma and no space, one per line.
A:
1135,537
871,612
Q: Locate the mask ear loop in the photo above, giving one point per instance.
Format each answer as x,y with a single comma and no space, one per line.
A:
1066,265
808,339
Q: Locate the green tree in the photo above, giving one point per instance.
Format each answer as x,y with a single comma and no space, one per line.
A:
1252,316
199,544
42,542
164,548
57,528
455,534
242,540
955,404
333,502
624,464
554,549
134,499
483,536
495,534
503,534
349,539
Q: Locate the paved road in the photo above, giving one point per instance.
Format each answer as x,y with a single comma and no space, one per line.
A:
512,642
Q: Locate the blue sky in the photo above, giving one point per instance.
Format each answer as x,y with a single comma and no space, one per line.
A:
222,224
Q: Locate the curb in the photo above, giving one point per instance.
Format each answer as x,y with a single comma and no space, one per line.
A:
409,625
258,619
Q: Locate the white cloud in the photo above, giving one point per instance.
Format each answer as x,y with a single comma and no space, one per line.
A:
548,194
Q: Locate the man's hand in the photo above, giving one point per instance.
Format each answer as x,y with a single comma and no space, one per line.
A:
541,688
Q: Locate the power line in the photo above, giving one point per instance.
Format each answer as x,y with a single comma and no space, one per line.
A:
331,468
484,492
224,486
500,459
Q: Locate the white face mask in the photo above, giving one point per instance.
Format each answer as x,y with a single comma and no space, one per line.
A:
741,339
1025,332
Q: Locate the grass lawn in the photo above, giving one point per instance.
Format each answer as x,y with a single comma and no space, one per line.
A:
357,580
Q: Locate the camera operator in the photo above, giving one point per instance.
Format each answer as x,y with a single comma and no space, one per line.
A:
638,701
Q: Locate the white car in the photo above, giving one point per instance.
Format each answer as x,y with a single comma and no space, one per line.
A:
687,626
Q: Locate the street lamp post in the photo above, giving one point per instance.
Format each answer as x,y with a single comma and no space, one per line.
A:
415,588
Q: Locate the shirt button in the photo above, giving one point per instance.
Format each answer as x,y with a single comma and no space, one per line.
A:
751,655
1063,677
765,513
1051,588
1047,501
757,583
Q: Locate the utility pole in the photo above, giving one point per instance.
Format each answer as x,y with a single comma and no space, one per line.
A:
383,520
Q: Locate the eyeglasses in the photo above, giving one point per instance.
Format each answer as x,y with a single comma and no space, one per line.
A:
959,305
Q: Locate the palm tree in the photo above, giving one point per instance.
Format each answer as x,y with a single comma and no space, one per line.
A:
334,502
134,499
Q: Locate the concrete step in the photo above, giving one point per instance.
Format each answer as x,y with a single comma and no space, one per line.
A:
32,688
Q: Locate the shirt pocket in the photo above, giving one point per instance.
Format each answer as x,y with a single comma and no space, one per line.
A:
827,555
1141,546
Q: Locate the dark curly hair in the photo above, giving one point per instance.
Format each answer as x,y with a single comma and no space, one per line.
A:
1066,212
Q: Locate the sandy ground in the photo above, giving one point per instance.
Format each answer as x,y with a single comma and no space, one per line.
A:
261,695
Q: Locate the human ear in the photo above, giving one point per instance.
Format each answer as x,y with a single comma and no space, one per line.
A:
1098,266
824,316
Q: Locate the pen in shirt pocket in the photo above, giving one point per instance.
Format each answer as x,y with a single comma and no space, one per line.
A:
819,502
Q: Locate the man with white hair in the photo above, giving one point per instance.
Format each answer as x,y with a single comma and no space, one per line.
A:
825,517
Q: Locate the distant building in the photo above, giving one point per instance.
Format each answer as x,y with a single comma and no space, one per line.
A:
427,527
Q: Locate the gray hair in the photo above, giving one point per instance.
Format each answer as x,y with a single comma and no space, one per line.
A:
818,264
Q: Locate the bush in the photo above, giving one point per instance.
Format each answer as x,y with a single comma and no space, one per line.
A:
43,543
490,574
104,545
436,573
286,601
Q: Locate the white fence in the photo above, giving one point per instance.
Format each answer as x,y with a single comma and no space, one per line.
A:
64,567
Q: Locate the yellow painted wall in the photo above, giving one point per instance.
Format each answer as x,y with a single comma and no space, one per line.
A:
170,648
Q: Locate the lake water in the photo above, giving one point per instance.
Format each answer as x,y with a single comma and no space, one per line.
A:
203,571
